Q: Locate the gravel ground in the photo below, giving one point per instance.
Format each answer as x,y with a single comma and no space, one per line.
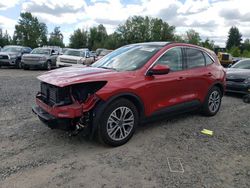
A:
32,155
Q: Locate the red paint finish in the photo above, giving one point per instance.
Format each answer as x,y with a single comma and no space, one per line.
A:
156,92
70,111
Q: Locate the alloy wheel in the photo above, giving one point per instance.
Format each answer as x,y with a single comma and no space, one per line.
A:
214,101
120,123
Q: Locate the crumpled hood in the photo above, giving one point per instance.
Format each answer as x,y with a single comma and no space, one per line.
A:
238,73
72,75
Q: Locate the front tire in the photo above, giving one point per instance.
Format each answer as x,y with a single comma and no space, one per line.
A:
18,64
48,65
118,123
212,102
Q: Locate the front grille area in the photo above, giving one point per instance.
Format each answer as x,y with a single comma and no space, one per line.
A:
53,95
4,57
71,61
27,58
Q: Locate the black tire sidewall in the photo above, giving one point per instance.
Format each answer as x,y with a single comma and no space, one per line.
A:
18,64
47,65
206,110
102,129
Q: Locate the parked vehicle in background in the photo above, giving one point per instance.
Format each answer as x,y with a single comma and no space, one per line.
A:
93,53
11,55
64,50
130,85
238,77
103,53
99,50
75,57
225,58
44,58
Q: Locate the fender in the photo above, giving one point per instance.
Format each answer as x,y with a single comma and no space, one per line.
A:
101,106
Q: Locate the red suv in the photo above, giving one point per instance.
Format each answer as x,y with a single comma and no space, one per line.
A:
128,86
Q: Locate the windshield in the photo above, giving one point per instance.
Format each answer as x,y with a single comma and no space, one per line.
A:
12,49
41,51
127,58
74,53
243,64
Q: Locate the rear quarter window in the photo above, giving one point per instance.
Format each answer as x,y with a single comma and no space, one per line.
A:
208,59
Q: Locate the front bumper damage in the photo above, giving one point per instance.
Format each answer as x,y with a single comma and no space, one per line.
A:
74,117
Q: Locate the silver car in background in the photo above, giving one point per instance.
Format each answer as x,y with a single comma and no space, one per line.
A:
75,57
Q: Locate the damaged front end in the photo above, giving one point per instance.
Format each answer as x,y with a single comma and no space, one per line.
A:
68,108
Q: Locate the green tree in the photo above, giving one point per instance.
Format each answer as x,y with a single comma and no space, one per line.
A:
78,39
29,31
56,38
234,38
97,37
144,29
178,38
160,30
235,51
208,44
113,41
5,38
192,37
246,45
246,53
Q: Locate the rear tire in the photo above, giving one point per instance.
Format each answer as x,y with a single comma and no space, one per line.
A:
118,123
212,102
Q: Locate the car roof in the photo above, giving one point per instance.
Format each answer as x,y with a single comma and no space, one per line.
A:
152,43
14,46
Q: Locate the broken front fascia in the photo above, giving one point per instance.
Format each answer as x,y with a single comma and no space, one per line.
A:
74,110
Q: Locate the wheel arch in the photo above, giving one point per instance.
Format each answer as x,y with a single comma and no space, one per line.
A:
220,86
101,105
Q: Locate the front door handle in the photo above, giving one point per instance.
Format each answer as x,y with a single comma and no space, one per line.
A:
180,78
208,74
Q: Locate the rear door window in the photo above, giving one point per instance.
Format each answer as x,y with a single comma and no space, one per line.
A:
195,58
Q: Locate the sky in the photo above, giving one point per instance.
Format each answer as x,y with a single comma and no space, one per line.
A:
211,18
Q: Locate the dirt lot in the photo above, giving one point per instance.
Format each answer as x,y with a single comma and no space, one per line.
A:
32,155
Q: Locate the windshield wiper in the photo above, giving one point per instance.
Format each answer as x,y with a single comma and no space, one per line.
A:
108,68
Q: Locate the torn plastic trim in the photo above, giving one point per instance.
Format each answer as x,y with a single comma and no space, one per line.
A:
90,103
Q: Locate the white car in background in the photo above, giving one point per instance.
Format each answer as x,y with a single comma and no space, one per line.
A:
75,57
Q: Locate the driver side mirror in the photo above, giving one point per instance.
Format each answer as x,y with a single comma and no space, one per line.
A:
230,65
158,70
